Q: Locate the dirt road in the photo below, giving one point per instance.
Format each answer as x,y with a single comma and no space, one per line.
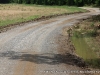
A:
40,48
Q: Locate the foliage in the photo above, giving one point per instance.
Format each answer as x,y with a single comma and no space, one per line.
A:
54,2
85,38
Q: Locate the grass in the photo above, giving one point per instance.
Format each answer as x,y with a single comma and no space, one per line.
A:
85,52
82,49
14,13
17,20
69,8
86,41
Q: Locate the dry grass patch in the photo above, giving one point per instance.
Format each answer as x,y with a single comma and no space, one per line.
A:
12,11
15,13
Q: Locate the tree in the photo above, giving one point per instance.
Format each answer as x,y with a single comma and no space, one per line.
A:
4,1
70,2
79,2
55,2
98,2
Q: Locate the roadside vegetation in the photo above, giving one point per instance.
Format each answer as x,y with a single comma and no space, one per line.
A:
16,13
86,40
55,2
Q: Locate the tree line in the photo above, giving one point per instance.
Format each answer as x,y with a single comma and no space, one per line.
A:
55,2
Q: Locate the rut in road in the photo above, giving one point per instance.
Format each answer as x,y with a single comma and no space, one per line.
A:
40,48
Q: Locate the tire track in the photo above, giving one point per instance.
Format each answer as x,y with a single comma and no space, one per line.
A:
32,49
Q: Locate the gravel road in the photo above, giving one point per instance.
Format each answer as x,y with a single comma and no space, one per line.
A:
40,48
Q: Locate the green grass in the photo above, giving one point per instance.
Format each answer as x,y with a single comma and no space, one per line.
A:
74,9
8,20
86,41
84,51
69,8
18,20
